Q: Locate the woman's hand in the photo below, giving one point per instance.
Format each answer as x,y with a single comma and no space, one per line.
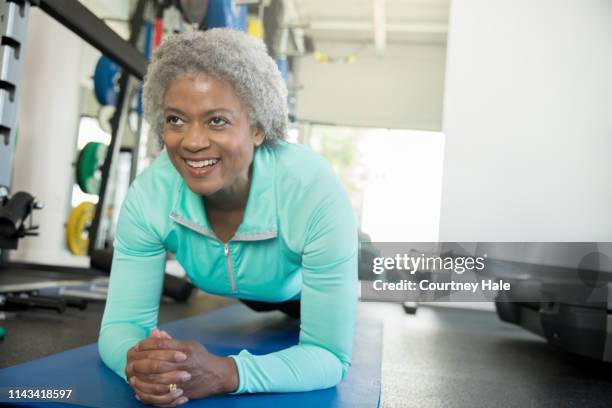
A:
210,374
153,388
155,363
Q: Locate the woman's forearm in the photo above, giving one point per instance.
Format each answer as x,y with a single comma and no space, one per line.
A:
303,367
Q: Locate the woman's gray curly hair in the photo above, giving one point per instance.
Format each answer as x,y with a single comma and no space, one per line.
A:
228,55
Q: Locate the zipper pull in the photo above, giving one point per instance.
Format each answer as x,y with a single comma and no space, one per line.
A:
226,248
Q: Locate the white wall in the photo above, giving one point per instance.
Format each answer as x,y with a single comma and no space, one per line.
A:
400,89
528,121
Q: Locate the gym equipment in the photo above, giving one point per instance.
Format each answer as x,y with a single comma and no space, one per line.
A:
26,286
226,14
14,212
13,31
26,300
89,165
255,27
97,230
283,67
15,277
148,39
158,32
105,78
560,291
583,329
105,115
77,294
224,331
194,10
77,228
174,287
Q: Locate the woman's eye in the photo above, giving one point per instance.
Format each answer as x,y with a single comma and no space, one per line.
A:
174,120
218,122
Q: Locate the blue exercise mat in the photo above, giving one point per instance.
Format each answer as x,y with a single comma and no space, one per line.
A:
224,331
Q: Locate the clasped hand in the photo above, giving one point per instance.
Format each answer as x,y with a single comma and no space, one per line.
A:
157,362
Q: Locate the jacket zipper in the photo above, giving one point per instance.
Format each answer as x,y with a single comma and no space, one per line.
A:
228,258
230,267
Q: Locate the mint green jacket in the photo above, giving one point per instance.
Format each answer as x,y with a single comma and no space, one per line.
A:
297,240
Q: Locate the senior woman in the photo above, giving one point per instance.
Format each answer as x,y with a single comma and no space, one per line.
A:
247,214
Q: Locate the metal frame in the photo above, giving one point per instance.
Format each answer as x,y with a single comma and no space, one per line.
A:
120,111
13,29
77,18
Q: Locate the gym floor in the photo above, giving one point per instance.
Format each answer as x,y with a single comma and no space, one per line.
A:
440,357
443,357
46,332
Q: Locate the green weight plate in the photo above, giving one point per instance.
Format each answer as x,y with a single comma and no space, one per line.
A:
89,165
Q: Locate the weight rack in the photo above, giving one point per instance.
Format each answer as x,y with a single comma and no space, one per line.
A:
80,20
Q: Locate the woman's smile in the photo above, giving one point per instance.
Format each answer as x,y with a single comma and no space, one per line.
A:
198,167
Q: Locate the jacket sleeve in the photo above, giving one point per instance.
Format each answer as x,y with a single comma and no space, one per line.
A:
328,303
135,286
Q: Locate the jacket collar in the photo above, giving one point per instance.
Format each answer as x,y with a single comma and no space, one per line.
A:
259,221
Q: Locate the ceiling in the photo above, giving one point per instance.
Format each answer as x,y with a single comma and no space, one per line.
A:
382,21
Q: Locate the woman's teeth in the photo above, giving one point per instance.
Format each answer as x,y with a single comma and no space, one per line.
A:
200,164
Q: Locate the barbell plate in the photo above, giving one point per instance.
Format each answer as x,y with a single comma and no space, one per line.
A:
77,227
226,14
106,78
89,167
255,28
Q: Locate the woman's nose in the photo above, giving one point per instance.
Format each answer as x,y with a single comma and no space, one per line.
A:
196,139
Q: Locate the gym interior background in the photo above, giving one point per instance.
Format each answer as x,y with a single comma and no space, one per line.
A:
446,120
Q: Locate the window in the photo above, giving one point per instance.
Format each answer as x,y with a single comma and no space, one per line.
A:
393,176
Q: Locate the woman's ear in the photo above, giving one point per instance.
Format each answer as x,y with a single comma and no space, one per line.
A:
258,136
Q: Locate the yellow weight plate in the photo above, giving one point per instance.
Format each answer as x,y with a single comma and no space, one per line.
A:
77,227
255,28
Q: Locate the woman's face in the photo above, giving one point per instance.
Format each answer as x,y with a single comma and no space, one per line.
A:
208,135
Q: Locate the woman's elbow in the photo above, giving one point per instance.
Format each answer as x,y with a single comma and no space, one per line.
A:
114,341
108,352
337,370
